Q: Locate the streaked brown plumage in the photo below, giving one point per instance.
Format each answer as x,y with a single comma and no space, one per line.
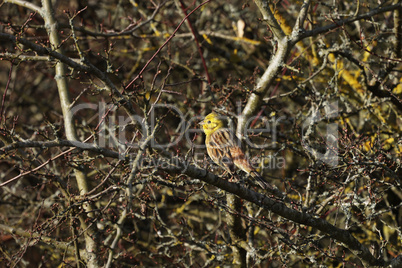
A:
224,149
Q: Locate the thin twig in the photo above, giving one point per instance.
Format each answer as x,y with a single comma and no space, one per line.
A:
164,44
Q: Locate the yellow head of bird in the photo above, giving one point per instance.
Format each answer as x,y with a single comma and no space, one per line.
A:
211,123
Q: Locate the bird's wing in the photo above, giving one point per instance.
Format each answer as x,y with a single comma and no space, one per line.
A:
225,150
220,144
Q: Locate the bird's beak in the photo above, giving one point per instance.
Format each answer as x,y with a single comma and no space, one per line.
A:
201,123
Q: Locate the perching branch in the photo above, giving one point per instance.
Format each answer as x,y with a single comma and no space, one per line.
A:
279,208
177,166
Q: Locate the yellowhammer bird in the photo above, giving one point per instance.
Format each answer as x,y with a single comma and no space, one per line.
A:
224,148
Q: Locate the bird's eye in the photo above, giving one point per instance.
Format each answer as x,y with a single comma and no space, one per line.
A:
209,122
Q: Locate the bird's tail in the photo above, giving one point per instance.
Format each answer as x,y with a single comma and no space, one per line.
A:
260,180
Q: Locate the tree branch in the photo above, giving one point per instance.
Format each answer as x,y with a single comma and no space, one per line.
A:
343,236
177,166
26,5
339,23
273,24
87,69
